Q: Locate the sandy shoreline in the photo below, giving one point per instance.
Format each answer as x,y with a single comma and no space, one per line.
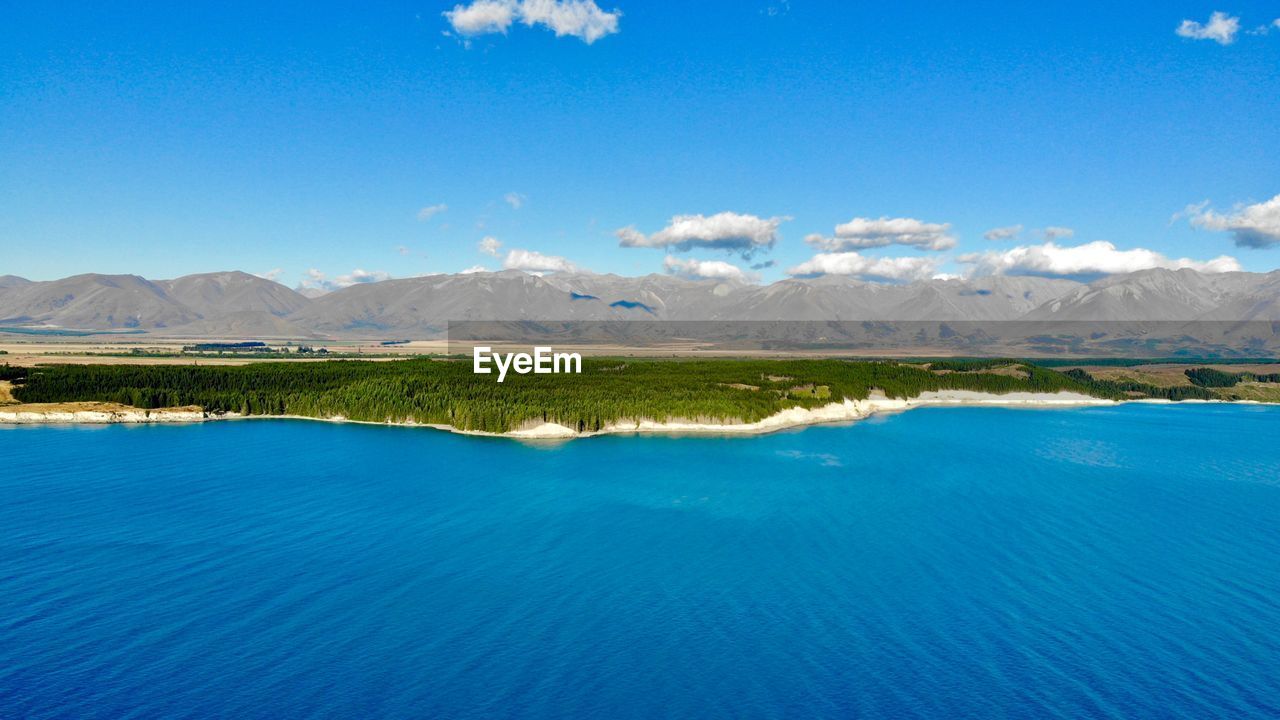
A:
845,411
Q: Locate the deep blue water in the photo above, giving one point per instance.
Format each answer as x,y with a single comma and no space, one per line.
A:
958,563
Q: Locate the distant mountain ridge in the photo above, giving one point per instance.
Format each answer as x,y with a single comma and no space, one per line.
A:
237,304
214,304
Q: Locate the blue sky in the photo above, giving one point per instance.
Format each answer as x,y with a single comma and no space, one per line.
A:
165,139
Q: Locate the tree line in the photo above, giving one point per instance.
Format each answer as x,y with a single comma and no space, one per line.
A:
443,391
1213,378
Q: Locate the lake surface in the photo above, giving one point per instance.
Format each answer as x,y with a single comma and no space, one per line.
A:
963,563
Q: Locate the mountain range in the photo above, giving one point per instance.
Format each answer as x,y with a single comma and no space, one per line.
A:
240,305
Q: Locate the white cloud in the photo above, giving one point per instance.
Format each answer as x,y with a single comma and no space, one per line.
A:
896,269
515,200
482,17
704,269
317,280
429,211
489,245
743,234
359,277
1003,233
473,269
1221,28
272,274
1055,232
861,233
629,236
1090,259
1254,226
582,19
532,261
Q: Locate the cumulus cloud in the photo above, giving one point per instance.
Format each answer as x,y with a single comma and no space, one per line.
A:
482,17
515,200
896,269
861,233
473,269
273,274
1003,233
1253,226
1055,232
734,232
360,277
489,245
582,19
430,211
531,261
1087,260
317,280
1221,28
704,269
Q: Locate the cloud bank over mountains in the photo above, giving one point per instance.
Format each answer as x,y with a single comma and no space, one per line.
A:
316,280
1087,260
704,269
843,253
535,262
893,269
737,233
1251,226
861,233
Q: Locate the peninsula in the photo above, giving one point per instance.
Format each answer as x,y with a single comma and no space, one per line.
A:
611,395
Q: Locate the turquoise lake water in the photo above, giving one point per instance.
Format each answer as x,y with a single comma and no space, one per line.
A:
959,563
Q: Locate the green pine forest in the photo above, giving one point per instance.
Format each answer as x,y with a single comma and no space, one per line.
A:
445,391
